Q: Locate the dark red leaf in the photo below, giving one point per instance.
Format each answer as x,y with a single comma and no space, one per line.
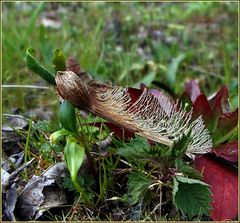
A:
226,123
156,93
228,119
73,65
142,86
134,93
162,99
192,89
165,87
224,187
220,102
119,132
227,151
202,107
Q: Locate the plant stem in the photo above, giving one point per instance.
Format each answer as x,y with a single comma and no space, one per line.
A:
26,149
81,191
91,162
160,201
92,166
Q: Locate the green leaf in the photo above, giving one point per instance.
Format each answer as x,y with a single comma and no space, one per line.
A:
160,151
187,170
138,185
59,61
191,197
67,116
37,68
54,137
172,69
137,148
179,147
73,156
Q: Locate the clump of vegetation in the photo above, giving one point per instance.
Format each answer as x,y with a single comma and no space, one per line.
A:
133,153
154,171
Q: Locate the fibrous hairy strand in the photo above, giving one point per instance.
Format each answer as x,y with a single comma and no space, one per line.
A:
154,117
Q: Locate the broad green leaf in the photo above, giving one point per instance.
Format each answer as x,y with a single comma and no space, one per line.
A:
137,148
191,197
37,68
67,116
59,61
73,156
187,170
173,68
138,185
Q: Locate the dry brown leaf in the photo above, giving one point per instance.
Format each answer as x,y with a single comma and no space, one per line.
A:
152,117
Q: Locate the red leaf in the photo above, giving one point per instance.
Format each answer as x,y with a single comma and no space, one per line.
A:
228,120
118,131
227,151
202,107
158,94
220,102
224,187
134,93
162,98
142,86
192,89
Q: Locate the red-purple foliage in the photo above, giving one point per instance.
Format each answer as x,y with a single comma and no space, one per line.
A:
218,167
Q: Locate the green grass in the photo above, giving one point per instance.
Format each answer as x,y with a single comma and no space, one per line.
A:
106,38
